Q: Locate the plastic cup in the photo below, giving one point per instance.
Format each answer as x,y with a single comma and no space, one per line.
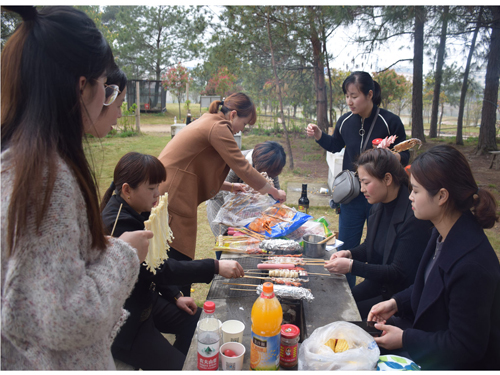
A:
232,331
232,363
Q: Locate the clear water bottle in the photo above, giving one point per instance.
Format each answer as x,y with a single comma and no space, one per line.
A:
209,338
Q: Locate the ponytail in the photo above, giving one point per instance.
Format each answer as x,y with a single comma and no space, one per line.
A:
214,106
107,196
484,208
377,94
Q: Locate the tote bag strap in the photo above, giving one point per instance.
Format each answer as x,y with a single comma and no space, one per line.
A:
371,128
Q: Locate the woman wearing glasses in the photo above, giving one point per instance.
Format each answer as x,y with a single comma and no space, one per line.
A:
116,89
63,281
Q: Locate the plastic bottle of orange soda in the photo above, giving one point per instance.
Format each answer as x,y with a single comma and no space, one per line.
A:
267,316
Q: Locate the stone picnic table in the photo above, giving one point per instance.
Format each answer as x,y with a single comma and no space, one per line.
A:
332,302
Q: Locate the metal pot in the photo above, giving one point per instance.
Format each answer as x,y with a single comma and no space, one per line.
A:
311,247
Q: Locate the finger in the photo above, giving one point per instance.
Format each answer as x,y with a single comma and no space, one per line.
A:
148,234
240,269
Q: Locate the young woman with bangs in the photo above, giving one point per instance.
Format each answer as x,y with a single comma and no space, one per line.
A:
197,161
156,305
448,319
63,281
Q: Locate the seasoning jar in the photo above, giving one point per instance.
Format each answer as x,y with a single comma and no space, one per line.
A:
376,142
289,346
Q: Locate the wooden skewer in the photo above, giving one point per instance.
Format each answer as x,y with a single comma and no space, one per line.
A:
318,274
247,290
252,285
116,220
256,277
326,239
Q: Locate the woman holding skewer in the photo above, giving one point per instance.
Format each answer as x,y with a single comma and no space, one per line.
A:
63,281
395,239
197,161
448,319
156,305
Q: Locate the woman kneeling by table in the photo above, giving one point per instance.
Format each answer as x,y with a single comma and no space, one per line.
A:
395,239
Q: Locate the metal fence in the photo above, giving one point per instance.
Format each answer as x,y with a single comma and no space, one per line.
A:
152,96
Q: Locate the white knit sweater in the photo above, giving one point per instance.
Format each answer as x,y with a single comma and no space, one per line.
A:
61,300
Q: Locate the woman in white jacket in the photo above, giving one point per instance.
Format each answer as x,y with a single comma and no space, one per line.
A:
63,281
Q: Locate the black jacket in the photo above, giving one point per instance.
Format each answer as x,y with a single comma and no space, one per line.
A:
171,273
405,243
347,134
456,313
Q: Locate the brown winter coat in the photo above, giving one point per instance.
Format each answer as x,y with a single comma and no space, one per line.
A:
197,160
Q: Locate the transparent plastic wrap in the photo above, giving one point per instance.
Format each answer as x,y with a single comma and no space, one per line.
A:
309,227
294,292
360,351
242,208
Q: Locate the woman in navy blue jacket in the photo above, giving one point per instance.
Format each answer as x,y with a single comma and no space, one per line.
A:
449,318
363,96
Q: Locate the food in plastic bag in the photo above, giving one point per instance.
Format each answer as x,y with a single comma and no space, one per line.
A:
242,208
281,211
362,352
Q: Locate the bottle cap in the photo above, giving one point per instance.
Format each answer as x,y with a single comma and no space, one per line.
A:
376,142
268,287
289,331
209,307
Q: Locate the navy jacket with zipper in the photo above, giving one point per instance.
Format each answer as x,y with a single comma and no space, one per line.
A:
347,134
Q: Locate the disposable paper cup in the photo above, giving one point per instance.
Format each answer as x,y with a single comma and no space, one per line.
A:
232,363
232,331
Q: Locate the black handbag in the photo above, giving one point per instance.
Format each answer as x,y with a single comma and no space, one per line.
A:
346,184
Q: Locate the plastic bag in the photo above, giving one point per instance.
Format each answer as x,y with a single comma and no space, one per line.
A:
363,352
242,208
309,227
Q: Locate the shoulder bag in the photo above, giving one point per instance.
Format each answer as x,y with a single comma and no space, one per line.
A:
346,184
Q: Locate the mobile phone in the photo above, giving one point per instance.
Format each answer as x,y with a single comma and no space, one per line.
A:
369,326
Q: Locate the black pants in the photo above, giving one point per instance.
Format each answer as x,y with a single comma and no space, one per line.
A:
174,254
366,294
151,350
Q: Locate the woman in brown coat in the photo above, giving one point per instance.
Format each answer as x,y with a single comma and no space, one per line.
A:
197,162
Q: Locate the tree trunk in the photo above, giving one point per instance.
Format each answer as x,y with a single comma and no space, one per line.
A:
289,146
417,128
463,93
487,133
319,76
438,77
331,123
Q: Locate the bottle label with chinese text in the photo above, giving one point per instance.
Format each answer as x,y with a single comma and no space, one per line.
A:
264,352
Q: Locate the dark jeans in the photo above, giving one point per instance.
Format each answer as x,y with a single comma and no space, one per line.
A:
151,350
174,254
351,221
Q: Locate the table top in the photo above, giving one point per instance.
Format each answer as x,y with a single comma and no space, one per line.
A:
332,302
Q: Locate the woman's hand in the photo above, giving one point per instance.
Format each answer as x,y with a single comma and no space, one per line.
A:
280,195
187,304
383,311
230,269
392,336
139,240
338,265
239,188
313,130
341,254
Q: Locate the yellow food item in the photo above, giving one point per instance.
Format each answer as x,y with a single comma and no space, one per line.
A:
341,346
331,343
337,345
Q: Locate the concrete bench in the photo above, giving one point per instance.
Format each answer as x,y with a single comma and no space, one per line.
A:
495,153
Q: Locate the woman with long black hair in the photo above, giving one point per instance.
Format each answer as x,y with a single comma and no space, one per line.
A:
63,281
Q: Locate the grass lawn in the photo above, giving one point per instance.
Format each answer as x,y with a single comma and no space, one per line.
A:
310,166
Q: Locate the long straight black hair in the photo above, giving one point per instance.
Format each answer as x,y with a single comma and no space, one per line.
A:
42,63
